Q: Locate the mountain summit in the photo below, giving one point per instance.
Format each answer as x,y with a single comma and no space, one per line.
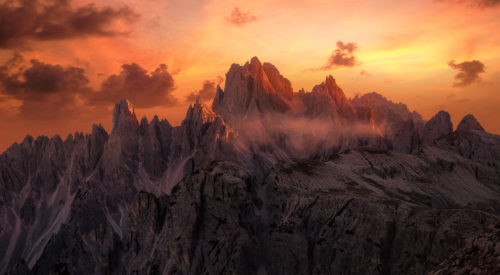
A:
469,122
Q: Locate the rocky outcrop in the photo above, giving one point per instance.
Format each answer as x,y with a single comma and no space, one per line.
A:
438,126
401,128
281,85
327,100
249,92
38,182
468,123
470,141
481,255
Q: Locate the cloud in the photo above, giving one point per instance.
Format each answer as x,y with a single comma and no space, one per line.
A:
468,72
145,89
475,3
342,56
239,18
488,3
24,20
207,92
42,79
47,91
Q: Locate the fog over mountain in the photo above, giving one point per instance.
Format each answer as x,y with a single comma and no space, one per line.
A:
266,180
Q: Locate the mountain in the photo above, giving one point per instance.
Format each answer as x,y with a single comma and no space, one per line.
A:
266,180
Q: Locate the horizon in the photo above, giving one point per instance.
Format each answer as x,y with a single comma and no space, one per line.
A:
208,103
58,77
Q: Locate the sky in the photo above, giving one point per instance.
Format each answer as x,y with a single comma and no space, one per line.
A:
64,63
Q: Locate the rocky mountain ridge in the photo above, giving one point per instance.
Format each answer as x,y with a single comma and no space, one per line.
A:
314,178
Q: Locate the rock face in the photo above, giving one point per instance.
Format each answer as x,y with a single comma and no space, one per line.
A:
362,212
469,123
327,100
265,181
480,255
400,127
249,91
439,125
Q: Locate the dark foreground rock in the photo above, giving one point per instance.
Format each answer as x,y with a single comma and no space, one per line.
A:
365,211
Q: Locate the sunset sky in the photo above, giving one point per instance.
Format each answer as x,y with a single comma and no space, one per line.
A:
64,63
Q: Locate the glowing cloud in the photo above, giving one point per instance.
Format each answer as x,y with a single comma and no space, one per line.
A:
239,18
135,83
207,92
468,72
343,56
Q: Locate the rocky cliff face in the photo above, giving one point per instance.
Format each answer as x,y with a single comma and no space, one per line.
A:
264,181
480,255
438,126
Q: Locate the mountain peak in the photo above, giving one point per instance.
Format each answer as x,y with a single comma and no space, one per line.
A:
199,112
126,105
255,63
386,107
252,89
97,129
469,122
439,125
330,98
281,85
123,114
330,81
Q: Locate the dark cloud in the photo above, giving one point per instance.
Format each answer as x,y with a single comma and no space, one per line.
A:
41,79
45,90
206,93
475,3
136,84
489,3
239,18
343,56
24,20
468,72
55,92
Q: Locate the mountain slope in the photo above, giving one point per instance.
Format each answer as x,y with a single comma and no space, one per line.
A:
363,211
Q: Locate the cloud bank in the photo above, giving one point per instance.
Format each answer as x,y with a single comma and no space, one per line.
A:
25,20
53,92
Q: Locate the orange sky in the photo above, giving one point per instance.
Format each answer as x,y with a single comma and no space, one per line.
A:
403,50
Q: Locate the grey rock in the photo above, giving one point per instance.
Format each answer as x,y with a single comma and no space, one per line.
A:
469,122
438,126
363,211
481,255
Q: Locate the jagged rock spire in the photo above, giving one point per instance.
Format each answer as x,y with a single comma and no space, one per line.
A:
123,115
439,125
250,90
469,122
